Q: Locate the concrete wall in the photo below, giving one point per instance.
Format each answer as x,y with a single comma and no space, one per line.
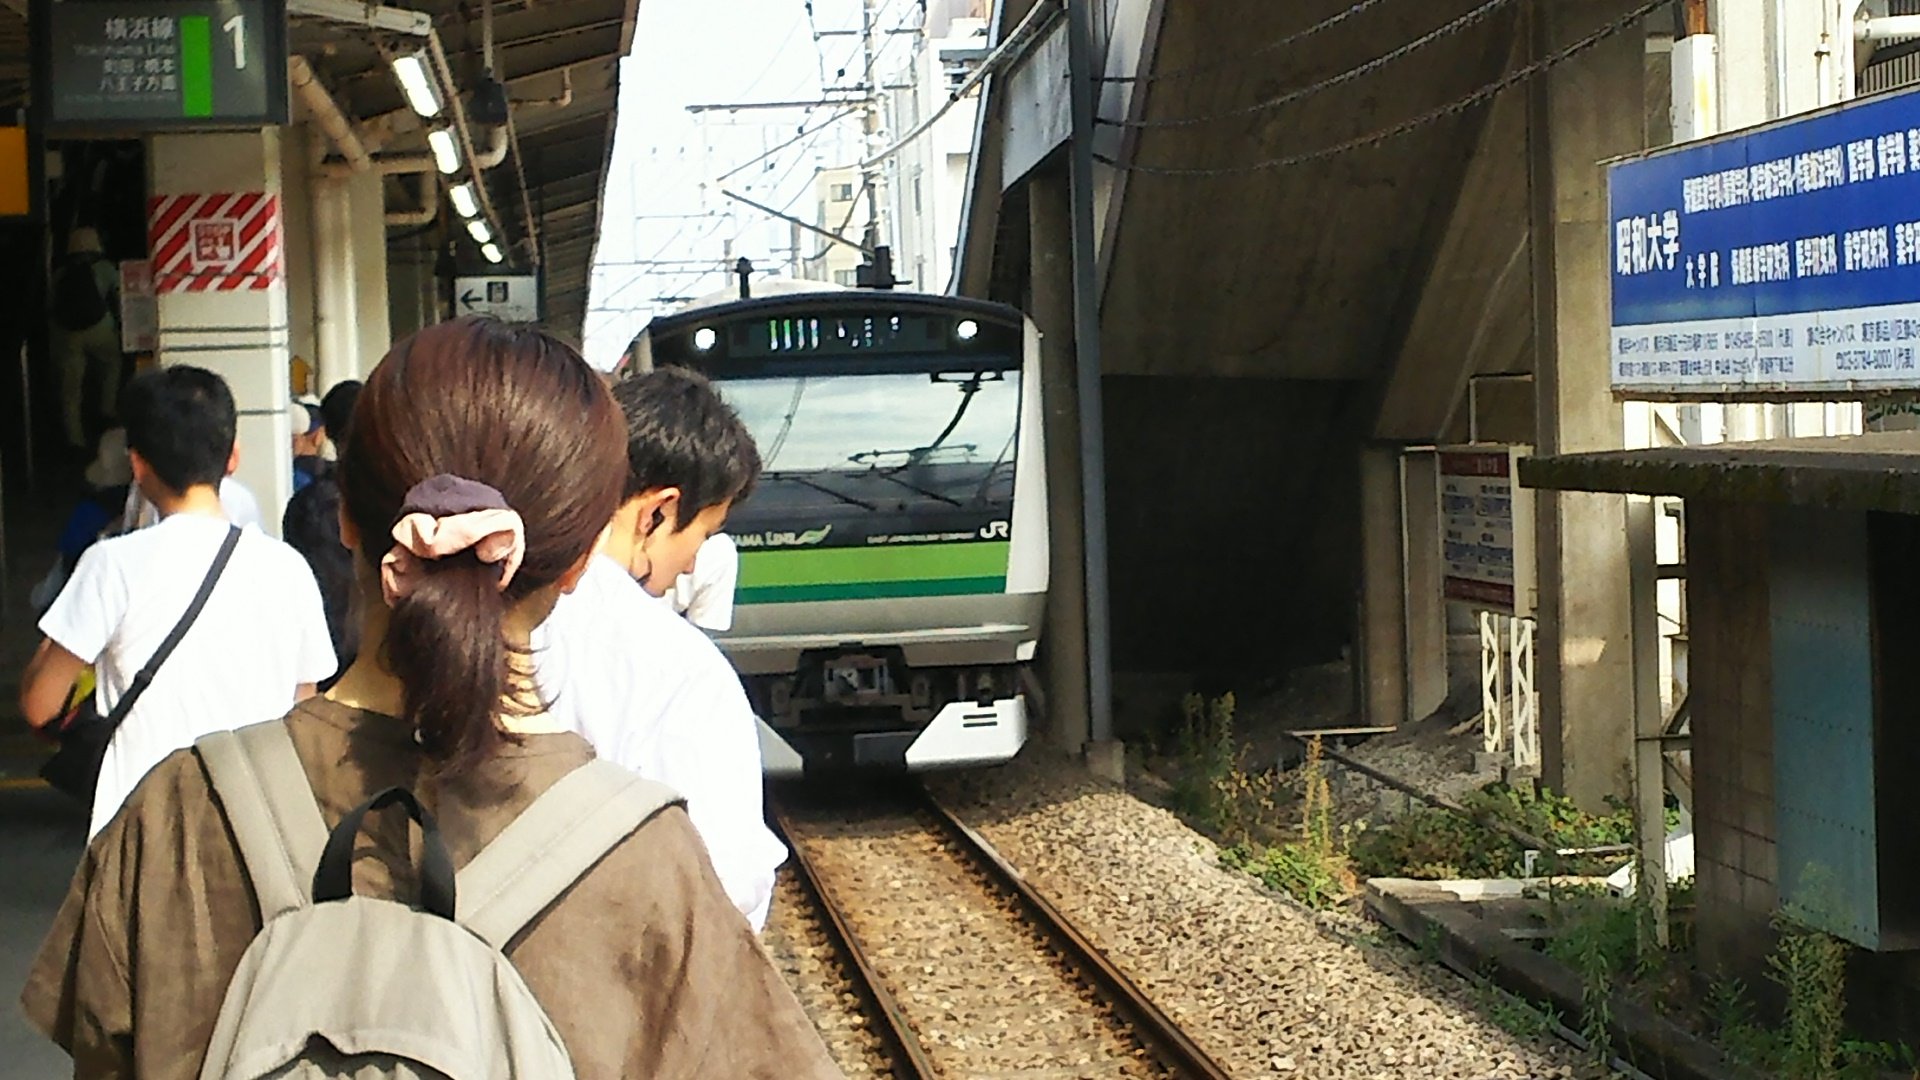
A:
1737,866
1232,508
1732,703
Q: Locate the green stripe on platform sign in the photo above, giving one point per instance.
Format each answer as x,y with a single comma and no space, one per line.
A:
868,573
196,65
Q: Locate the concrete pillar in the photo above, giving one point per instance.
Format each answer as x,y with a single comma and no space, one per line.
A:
367,197
1424,573
1383,597
1050,223
1586,111
235,325
335,281
296,155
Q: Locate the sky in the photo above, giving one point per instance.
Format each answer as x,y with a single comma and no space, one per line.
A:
665,231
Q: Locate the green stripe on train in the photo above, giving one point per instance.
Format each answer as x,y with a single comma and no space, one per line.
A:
793,575
869,590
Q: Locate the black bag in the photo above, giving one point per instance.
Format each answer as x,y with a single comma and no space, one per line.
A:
77,303
84,734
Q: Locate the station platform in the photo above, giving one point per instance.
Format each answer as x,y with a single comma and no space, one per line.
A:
42,833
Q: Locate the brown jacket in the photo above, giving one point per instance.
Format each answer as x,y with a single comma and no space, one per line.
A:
644,966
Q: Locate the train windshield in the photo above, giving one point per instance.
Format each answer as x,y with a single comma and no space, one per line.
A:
879,457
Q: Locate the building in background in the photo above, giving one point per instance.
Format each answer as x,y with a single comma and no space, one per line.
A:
927,179
840,208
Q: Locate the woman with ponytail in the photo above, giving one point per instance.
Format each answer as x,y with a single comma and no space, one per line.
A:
484,462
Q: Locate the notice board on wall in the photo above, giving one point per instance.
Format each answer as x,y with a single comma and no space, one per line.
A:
1486,522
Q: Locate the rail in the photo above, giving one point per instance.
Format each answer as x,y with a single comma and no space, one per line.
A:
892,1026
1170,1044
1154,1029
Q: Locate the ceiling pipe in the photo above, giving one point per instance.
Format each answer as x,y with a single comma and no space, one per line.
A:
420,24
1887,28
384,164
464,132
428,211
326,113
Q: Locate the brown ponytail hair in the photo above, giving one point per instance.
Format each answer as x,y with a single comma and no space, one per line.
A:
514,408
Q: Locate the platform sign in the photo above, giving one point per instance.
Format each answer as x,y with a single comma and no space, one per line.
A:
129,66
514,297
1782,260
139,308
227,241
1486,523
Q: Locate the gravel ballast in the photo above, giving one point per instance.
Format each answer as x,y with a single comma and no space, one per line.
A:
1267,987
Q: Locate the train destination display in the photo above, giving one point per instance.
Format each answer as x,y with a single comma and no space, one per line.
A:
1784,259
130,66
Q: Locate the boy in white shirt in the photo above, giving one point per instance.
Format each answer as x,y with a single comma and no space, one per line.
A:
257,647
705,594
642,684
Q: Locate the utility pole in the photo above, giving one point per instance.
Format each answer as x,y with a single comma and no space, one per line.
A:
870,172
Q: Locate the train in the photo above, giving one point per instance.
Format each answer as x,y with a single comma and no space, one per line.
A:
894,554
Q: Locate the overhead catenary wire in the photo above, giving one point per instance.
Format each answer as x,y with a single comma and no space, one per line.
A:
1452,108
1023,35
1296,37
1486,10
804,133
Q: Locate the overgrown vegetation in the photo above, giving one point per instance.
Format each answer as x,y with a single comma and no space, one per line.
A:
1432,843
1512,1013
1312,868
1247,809
1207,756
1811,1043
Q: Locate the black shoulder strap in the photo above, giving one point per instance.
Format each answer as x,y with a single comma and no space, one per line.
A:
146,674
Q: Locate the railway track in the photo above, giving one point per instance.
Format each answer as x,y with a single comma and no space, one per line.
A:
966,972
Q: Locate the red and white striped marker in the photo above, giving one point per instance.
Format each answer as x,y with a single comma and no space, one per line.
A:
221,242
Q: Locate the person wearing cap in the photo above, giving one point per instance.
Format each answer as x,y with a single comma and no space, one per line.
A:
107,479
308,439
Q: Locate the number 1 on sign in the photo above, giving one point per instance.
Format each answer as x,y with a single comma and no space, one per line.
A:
237,26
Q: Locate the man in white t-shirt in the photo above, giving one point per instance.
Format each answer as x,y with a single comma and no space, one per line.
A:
236,501
644,686
257,647
705,593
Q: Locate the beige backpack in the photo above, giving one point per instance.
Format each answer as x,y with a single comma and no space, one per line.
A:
338,986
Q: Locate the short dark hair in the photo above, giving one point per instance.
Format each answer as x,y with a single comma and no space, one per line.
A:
336,409
680,433
311,526
181,421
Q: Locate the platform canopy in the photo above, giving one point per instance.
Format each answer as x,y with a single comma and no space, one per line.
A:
560,65
559,62
1875,471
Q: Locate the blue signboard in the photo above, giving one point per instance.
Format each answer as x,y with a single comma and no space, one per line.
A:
1783,260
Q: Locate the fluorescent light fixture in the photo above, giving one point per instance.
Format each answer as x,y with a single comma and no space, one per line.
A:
464,201
446,152
492,252
416,81
479,231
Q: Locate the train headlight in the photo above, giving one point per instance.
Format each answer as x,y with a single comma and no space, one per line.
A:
704,338
966,330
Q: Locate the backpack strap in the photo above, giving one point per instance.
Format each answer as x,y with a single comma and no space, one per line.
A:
554,841
271,809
